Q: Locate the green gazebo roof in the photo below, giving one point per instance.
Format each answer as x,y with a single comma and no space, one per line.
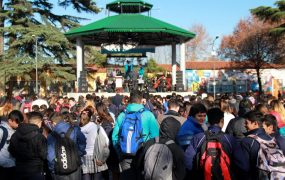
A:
129,6
138,28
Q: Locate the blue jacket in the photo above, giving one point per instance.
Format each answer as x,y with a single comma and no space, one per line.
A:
149,124
77,136
127,66
189,128
250,149
229,143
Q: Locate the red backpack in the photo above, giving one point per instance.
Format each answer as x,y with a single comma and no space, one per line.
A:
213,160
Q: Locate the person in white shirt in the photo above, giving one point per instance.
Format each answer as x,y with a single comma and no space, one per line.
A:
89,129
226,108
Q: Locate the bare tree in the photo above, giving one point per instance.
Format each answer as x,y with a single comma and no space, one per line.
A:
252,44
199,47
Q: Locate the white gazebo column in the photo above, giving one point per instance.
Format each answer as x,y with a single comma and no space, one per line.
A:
183,64
79,57
173,47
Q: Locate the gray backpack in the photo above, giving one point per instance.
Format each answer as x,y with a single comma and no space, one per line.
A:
158,161
271,160
101,149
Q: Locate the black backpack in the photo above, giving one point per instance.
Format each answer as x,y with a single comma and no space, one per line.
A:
66,153
4,137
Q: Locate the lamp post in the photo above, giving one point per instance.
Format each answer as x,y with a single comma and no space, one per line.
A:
37,90
214,54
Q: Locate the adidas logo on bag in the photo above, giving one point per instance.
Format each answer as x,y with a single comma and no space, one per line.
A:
63,157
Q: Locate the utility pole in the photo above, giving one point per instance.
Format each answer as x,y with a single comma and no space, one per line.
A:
213,55
37,88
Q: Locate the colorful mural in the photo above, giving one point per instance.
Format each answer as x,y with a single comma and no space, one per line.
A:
233,80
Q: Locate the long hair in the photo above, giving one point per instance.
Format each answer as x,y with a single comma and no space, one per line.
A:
225,106
103,113
278,107
6,109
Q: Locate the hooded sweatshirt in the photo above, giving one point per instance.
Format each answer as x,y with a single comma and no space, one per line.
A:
29,148
168,131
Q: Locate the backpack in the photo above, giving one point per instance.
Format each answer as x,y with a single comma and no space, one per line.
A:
101,148
271,160
66,153
158,161
131,137
4,137
213,160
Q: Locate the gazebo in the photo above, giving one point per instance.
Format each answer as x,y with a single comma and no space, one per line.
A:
130,28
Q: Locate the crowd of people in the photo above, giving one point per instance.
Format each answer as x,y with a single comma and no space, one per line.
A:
133,79
142,136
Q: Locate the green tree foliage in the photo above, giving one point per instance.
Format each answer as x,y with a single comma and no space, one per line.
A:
153,67
29,22
273,15
93,56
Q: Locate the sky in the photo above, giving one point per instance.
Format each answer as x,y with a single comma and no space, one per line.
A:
219,17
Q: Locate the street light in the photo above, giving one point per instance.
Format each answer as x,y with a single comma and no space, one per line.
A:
214,54
37,90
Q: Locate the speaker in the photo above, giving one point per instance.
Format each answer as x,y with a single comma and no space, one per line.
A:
179,87
83,84
179,77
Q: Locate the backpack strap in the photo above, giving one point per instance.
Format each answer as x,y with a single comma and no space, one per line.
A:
218,137
69,131
169,142
156,139
262,141
201,140
254,137
98,128
4,137
138,113
212,136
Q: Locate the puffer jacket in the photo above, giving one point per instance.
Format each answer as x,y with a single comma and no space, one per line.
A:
29,147
189,128
6,159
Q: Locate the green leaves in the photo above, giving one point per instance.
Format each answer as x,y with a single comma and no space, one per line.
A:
152,67
272,15
29,24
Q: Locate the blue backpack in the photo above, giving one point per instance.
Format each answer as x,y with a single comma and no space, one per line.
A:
131,133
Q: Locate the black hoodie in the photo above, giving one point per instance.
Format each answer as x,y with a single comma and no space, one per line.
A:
29,148
168,131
